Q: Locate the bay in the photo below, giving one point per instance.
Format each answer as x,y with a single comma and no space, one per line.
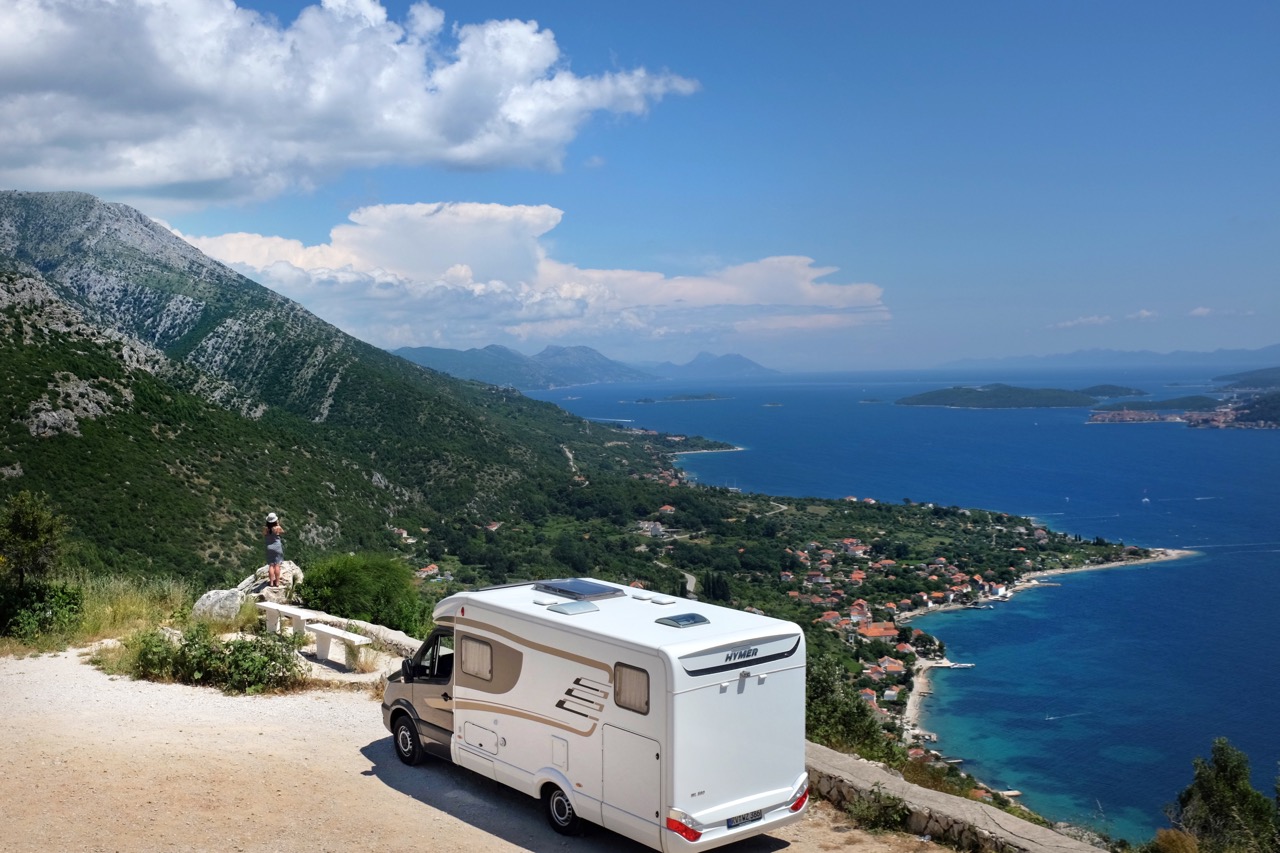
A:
1091,697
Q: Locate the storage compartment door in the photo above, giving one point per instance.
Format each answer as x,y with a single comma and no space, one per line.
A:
632,791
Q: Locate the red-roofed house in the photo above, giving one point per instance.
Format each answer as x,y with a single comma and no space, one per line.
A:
878,631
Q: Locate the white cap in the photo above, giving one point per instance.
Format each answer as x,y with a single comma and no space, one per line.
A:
271,518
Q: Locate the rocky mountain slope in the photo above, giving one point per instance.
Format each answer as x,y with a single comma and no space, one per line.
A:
166,402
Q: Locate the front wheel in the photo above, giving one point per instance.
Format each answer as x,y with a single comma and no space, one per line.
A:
405,734
559,810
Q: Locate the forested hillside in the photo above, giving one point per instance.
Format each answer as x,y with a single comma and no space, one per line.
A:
166,403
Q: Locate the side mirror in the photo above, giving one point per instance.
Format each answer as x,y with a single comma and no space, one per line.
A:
406,670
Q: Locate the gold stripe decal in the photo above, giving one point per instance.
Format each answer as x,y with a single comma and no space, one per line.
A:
462,704
551,650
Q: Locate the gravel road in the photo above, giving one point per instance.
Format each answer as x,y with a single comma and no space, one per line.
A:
99,763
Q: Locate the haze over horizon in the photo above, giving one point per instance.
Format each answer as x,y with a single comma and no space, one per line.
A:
840,186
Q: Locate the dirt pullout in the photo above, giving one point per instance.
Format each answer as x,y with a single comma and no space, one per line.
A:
98,763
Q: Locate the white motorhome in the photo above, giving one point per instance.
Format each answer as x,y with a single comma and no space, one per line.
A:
675,723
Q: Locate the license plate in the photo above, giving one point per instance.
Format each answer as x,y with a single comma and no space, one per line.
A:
745,818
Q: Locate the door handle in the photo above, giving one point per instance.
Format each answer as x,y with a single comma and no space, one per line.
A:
446,697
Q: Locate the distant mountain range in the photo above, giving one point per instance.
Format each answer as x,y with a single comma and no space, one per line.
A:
555,367
1109,358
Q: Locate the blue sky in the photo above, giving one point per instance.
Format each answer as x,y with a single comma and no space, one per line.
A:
838,185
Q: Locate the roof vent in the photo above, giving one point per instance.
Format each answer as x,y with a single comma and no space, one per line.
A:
573,608
578,589
684,620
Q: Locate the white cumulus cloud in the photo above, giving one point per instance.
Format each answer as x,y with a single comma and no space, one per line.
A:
468,274
202,99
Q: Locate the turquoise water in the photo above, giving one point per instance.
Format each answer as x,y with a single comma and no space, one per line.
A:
1091,697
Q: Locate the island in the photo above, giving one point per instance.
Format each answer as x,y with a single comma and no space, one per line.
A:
684,398
1000,396
1106,392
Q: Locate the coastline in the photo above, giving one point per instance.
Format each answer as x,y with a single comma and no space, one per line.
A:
719,450
1158,555
913,715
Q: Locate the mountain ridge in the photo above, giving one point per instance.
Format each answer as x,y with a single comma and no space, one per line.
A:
560,366
119,336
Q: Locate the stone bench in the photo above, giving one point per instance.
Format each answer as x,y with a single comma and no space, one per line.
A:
326,634
296,615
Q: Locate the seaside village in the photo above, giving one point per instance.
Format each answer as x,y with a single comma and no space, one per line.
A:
828,578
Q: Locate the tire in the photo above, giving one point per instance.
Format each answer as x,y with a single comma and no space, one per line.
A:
405,736
559,810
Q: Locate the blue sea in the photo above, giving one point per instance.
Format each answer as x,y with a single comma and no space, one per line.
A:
1092,697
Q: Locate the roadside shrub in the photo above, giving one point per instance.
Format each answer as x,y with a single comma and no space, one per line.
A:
371,587
253,665
41,613
202,658
150,655
1174,841
877,811
268,661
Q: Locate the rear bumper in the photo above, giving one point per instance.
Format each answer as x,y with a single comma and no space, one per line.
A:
720,835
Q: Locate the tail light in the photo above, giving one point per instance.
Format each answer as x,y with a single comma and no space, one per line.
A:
683,825
801,796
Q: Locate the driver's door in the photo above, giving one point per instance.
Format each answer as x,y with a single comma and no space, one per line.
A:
433,686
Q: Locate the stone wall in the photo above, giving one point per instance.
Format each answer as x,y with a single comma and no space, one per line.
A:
954,821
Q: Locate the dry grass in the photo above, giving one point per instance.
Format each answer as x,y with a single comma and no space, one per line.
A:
116,606
360,659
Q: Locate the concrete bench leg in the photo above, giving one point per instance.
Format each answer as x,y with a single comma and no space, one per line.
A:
322,646
273,620
299,624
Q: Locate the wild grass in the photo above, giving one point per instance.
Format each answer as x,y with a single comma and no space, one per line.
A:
118,605
111,606
359,658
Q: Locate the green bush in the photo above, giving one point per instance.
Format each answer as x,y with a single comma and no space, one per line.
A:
877,811
151,656
370,587
202,659
253,665
40,612
268,661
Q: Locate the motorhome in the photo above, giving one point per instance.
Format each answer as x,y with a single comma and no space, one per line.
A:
676,723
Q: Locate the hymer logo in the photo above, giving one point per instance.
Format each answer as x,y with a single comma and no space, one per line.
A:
740,654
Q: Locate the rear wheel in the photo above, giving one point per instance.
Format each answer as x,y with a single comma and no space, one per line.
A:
405,734
559,810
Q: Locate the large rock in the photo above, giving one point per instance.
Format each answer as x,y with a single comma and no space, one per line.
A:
256,583
222,605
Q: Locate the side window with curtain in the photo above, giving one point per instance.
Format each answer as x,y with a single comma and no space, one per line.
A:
477,658
631,688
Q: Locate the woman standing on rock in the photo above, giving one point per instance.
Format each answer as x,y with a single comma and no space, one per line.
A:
275,548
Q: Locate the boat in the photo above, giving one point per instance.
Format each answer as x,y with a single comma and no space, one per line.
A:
962,666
